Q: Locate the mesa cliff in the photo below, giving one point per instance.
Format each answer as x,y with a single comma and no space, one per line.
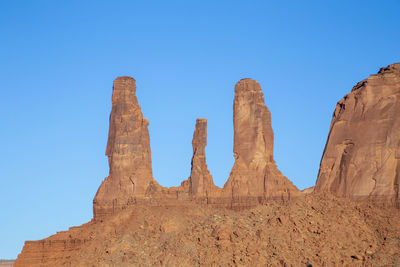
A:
362,154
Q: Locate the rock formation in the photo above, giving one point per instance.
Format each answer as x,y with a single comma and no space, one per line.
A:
49,251
312,230
200,182
130,184
128,151
362,154
254,175
132,213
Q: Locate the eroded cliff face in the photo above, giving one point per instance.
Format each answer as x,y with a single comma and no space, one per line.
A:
254,177
129,154
362,154
52,250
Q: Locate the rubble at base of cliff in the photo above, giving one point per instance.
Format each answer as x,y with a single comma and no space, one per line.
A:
317,230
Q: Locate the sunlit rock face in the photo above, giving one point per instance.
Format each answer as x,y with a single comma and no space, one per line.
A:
200,181
254,176
362,154
132,213
128,151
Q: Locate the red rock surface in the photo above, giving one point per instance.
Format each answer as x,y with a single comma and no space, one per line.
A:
200,183
45,252
254,177
322,231
268,221
6,263
308,190
128,151
362,154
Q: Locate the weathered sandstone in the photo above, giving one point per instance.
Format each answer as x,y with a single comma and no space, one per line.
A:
308,190
138,222
362,154
53,250
128,151
200,183
7,263
254,177
321,231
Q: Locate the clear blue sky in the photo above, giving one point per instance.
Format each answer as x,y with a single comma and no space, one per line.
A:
59,59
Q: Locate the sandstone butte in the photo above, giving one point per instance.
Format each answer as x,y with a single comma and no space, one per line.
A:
131,209
362,154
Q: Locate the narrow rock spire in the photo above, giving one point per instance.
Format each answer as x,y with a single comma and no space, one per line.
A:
200,181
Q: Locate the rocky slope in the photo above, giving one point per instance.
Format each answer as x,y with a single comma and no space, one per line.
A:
362,154
322,231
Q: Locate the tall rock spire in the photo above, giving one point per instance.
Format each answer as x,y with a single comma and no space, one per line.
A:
362,154
200,181
254,175
128,151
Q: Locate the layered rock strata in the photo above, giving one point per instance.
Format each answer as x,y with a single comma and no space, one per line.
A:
255,176
53,250
362,154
